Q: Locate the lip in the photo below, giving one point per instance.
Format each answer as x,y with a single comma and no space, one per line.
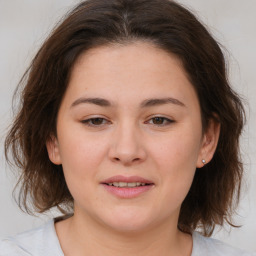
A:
127,192
126,179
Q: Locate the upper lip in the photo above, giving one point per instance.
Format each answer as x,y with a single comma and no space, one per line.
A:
120,178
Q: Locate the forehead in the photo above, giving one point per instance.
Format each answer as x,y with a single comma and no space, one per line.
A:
129,71
136,54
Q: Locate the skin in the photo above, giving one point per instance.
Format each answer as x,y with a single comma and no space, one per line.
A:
128,140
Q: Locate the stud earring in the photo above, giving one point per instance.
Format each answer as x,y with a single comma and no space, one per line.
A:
203,161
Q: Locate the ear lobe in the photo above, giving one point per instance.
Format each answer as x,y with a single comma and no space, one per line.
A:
52,146
209,143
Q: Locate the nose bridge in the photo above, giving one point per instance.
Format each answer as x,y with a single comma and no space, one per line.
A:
127,145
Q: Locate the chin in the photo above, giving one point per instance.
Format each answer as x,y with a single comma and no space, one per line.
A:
127,221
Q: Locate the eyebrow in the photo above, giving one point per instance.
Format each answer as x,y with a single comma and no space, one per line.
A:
146,103
161,101
97,101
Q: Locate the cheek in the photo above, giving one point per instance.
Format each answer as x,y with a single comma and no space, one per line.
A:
81,150
177,149
176,158
81,157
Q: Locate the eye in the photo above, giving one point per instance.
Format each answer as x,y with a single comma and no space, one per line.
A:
160,121
97,121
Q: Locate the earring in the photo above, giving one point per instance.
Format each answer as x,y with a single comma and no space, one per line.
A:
203,161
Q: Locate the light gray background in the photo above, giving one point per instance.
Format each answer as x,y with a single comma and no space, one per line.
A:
24,25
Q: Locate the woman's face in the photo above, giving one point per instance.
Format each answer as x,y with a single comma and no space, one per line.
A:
129,136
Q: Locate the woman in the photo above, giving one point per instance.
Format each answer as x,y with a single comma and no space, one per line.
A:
125,126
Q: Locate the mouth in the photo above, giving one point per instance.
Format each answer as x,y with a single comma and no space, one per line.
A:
127,182
127,187
121,184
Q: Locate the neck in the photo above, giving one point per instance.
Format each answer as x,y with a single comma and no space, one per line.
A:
79,236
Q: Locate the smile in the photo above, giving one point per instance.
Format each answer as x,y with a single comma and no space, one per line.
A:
127,187
126,184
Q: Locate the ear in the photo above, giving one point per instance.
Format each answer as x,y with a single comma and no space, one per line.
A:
52,146
209,143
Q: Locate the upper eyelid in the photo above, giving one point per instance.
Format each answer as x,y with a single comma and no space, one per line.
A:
161,116
87,120
165,118
92,118
148,118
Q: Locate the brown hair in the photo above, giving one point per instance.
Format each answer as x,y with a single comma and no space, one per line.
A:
168,26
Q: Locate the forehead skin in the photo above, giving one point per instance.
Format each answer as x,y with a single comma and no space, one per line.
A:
100,65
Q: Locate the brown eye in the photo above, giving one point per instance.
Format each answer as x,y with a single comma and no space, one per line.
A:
160,121
97,121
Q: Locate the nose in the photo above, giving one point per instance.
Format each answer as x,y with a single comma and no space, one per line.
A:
127,146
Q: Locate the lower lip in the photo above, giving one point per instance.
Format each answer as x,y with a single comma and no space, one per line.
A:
127,192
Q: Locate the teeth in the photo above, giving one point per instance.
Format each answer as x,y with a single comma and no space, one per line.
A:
131,185
122,184
126,184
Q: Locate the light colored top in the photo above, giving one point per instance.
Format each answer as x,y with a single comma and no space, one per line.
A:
43,241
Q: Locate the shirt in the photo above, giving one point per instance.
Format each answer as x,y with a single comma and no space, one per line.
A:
43,241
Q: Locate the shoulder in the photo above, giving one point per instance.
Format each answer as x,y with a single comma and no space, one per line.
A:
204,246
40,241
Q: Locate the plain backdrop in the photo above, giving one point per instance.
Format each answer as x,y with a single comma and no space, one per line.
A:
25,24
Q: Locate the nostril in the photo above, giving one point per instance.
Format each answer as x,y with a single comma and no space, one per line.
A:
133,160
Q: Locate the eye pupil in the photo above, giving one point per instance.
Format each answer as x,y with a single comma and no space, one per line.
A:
97,121
158,120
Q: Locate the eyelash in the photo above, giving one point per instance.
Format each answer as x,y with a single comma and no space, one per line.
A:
89,122
166,120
